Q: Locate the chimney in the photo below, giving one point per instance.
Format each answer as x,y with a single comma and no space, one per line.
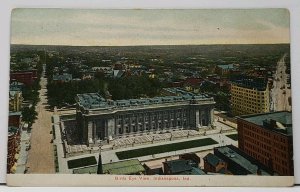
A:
99,169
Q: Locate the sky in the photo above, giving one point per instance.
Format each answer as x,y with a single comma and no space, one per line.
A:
149,27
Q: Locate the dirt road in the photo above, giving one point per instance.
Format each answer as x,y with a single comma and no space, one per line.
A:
41,155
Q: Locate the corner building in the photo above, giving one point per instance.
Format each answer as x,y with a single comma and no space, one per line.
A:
268,138
101,119
250,96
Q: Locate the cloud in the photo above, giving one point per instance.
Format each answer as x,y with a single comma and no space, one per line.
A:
138,27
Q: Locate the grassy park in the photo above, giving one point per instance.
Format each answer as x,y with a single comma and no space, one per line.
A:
165,148
75,163
233,137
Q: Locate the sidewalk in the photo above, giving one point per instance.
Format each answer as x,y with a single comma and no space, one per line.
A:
62,162
23,154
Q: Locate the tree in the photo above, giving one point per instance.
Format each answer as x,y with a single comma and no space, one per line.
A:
29,115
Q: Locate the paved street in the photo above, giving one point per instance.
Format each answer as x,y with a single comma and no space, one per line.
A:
41,155
280,93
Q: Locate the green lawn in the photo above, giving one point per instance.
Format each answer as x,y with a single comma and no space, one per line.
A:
82,162
233,136
165,148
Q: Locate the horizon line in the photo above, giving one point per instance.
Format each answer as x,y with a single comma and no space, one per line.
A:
149,45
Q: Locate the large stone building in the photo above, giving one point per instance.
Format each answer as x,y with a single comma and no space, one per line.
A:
250,96
268,138
101,119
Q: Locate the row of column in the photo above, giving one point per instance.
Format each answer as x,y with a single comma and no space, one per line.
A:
145,122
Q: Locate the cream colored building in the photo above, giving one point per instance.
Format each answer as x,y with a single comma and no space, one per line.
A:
249,97
15,101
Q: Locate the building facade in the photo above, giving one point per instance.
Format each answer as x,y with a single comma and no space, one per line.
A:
28,77
12,148
250,96
15,101
268,138
224,69
101,119
239,163
214,164
14,119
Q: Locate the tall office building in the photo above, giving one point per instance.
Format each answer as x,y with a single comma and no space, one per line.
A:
250,96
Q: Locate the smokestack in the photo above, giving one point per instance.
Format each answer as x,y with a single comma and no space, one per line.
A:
99,169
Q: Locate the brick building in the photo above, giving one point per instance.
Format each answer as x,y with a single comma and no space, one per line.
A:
12,148
214,164
268,138
28,77
14,119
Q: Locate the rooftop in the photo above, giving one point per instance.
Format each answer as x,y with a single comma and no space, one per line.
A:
212,159
15,113
252,83
123,167
95,101
12,130
229,66
276,121
178,165
193,171
62,77
241,159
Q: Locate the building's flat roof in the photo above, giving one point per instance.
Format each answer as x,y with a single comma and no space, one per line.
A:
252,83
62,77
241,160
283,117
193,171
123,167
12,130
117,168
178,165
228,66
15,113
94,100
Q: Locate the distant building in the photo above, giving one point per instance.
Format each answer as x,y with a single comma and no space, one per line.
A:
14,119
190,156
28,77
15,101
102,119
16,86
181,167
268,138
224,69
214,164
250,96
62,78
118,73
13,148
88,76
239,163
